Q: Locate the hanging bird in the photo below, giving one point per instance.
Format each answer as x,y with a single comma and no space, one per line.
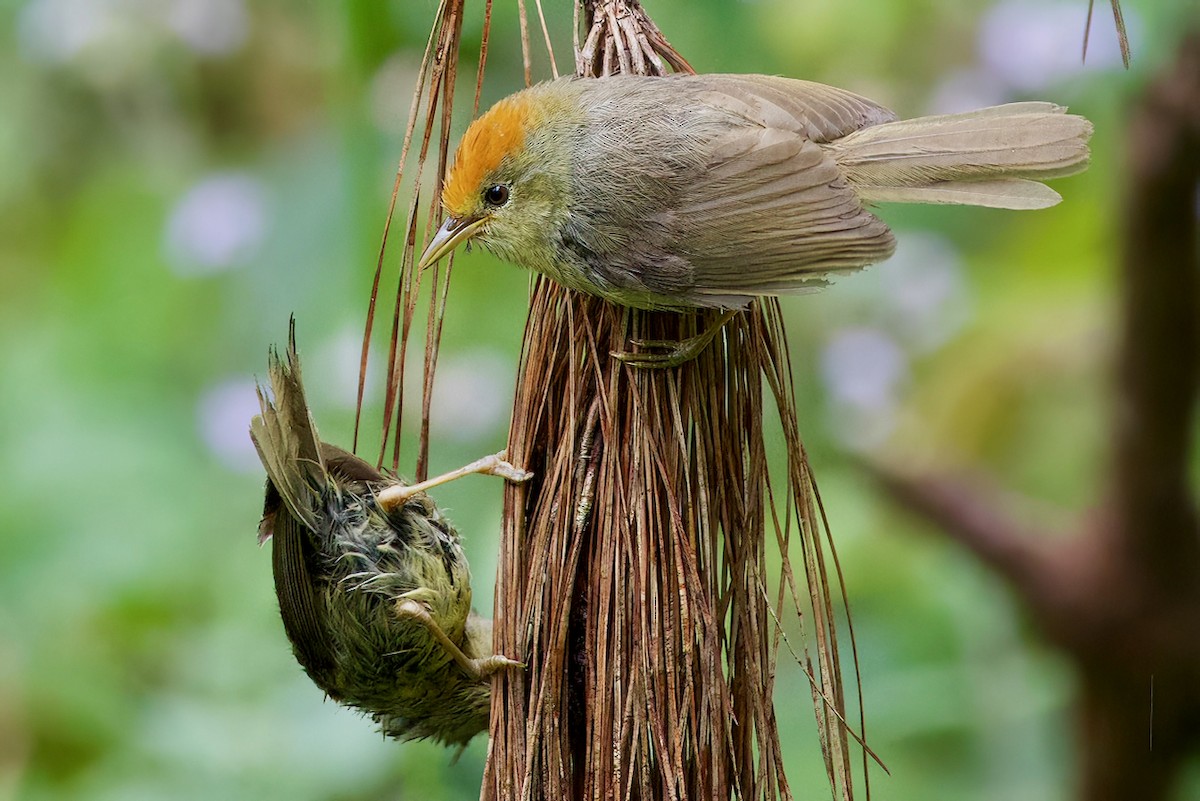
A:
705,191
373,586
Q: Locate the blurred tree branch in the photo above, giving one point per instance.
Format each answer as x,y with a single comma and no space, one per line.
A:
1122,597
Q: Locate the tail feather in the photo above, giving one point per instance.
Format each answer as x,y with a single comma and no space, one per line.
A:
286,437
992,157
1001,193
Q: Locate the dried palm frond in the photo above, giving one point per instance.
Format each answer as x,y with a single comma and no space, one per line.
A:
632,573
632,569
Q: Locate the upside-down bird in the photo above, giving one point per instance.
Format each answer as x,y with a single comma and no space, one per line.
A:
373,586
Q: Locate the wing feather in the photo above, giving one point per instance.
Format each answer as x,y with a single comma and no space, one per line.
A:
819,112
734,194
771,214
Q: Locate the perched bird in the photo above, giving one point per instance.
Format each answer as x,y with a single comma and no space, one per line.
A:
373,586
708,190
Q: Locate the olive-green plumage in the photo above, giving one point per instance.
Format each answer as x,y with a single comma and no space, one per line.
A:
345,568
708,190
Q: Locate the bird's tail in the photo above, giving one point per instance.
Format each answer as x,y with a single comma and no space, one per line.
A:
992,157
286,438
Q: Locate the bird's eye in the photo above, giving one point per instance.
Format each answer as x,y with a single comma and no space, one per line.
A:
496,195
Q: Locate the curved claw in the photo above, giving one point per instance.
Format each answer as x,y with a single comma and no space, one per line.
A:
490,665
659,343
498,465
677,351
656,361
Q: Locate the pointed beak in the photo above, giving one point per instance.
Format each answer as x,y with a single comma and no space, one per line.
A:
452,234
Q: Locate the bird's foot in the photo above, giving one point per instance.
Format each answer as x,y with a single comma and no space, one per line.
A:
407,606
488,666
675,351
497,465
397,495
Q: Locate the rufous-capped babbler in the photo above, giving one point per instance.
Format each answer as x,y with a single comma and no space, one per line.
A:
708,190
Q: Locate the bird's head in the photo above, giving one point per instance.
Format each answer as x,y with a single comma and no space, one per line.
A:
508,188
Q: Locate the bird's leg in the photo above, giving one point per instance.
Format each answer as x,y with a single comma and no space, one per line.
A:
677,351
478,669
397,495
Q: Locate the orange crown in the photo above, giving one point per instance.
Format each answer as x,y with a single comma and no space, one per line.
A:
485,144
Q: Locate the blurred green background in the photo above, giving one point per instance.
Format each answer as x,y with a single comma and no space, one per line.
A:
178,176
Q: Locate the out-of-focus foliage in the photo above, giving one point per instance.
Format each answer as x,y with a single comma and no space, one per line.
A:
178,176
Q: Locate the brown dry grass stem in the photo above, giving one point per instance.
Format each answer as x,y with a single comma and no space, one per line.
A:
434,94
1122,32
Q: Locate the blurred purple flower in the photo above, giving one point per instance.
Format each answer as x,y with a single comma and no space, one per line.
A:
924,293
863,370
1031,44
472,395
57,31
393,80
967,90
223,415
117,31
920,296
209,27
336,361
217,225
